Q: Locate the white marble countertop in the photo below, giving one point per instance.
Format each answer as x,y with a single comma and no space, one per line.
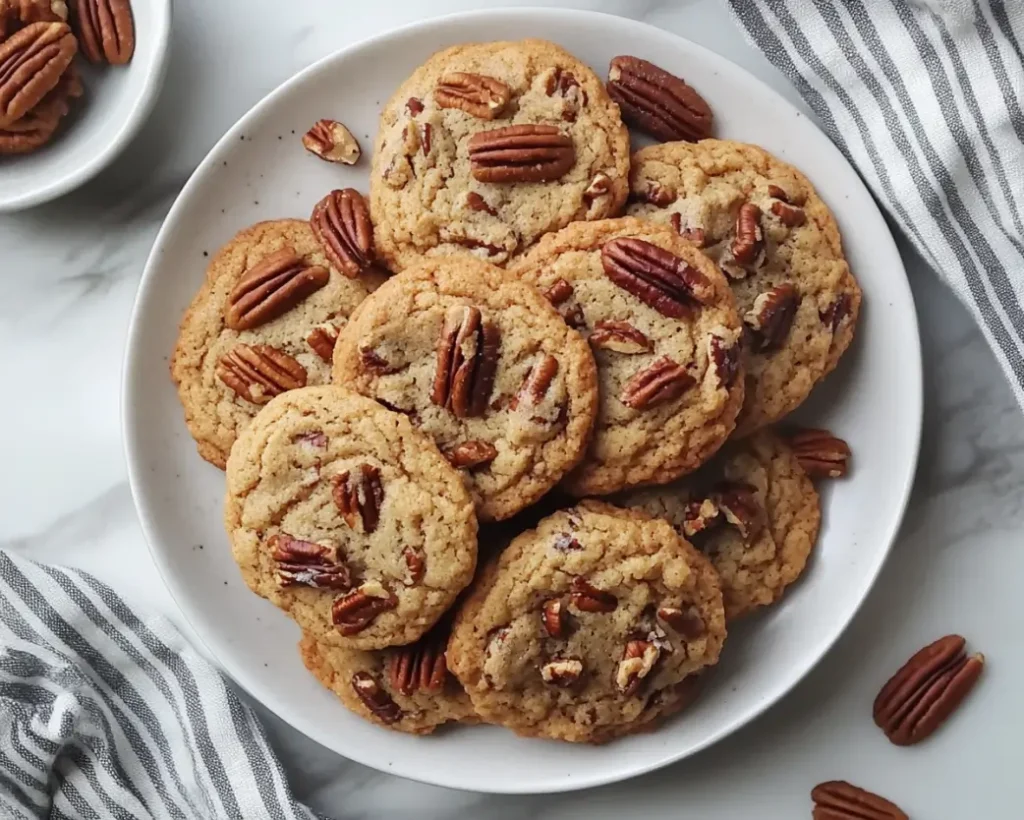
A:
69,273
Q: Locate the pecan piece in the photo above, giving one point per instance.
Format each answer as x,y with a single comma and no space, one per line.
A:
272,287
656,194
538,380
687,622
467,358
657,102
565,84
821,454
725,357
700,515
789,215
354,612
656,277
839,800
638,660
322,340
476,94
375,699
748,244
521,153
370,360
106,30
599,186
257,373
620,337
414,105
564,542
553,618
470,454
422,666
305,563
836,312
32,61
926,690
358,495
562,671
332,142
341,222
478,203
662,381
739,504
771,317
588,598
415,566
559,292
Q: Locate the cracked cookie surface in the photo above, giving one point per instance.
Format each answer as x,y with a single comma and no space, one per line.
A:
762,221
485,366
424,197
588,627
670,380
216,412
753,511
348,519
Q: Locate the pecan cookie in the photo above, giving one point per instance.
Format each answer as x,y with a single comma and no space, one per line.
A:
661,321
485,366
39,125
753,511
406,688
487,146
778,243
348,519
587,627
264,321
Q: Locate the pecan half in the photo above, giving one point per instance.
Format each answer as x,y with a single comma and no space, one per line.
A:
467,358
521,153
821,454
620,337
305,563
588,598
929,687
562,671
272,287
656,277
638,659
257,373
725,357
836,312
662,381
322,340
105,29
771,316
358,495
738,503
32,62
839,800
415,566
341,222
15,14
354,612
476,94
421,666
700,515
375,699
748,244
553,618
470,454
789,215
687,622
332,142
657,102
538,380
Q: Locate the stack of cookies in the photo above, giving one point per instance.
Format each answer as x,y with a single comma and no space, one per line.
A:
500,440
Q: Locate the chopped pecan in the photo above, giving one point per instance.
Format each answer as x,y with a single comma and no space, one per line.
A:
929,687
333,142
739,504
657,102
467,358
562,671
565,84
358,494
564,542
839,800
478,203
305,563
789,215
257,373
725,356
521,153
415,566
694,235
32,61
599,186
662,381
620,337
777,192
341,222
371,361
588,598
559,292
700,515
553,617
638,660
375,699
471,454
748,244
314,441
538,380
656,194
656,277
414,105
771,317
687,622
821,454
426,137
272,287
322,340
476,94
836,312
422,666
356,610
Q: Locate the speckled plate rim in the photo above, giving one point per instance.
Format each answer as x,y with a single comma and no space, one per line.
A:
560,767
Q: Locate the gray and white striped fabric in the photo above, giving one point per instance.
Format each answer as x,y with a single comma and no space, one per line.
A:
926,99
105,713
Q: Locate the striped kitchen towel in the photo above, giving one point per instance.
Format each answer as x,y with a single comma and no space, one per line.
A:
925,97
107,713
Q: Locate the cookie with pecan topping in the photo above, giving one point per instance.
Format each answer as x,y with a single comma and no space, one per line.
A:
762,222
484,365
588,627
348,519
753,511
264,321
661,321
487,146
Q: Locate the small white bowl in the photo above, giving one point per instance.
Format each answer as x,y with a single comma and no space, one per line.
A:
116,102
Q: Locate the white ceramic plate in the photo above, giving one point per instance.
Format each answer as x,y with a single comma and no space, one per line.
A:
259,170
116,103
